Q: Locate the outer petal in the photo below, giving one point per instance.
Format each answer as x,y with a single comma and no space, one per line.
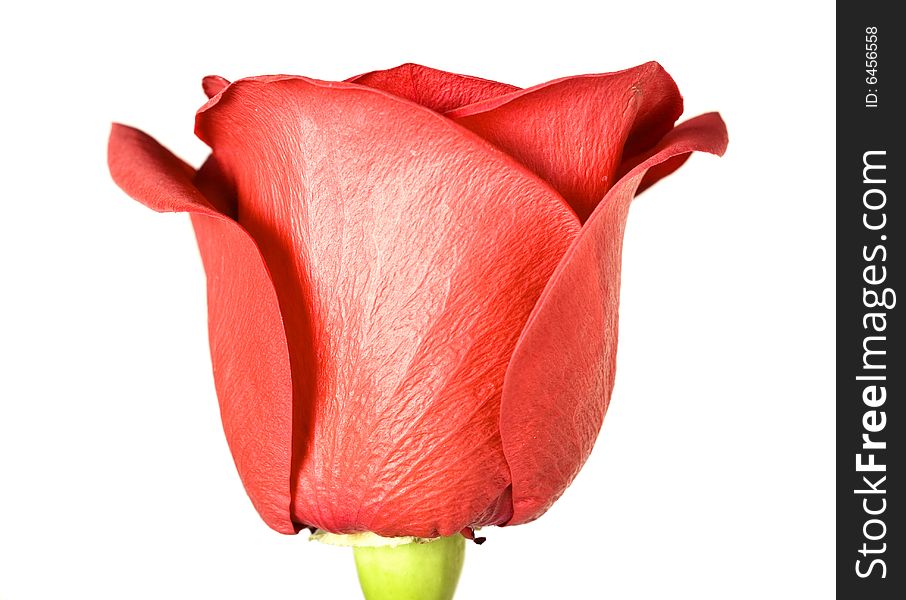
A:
248,346
415,251
574,132
559,380
438,90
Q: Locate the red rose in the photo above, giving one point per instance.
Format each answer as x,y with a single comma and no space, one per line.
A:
413,279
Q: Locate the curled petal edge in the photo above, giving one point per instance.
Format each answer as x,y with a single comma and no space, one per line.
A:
434,89
213,85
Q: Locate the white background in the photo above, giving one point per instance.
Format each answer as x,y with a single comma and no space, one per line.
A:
713,476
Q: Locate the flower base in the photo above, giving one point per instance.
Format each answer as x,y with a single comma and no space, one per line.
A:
404,568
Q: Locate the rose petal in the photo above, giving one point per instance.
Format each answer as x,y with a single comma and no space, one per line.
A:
574,132
213,85
432,88
248,346
416,251
559,380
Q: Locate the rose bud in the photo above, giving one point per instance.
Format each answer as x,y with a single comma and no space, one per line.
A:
413,280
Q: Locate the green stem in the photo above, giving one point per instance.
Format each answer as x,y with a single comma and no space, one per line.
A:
419,570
